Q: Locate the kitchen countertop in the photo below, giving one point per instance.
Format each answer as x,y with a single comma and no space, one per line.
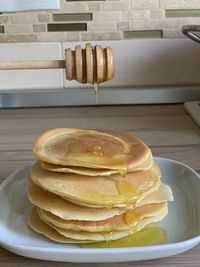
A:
167,129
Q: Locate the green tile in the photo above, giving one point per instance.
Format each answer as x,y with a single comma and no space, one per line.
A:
72,17
67,27
2,29
143,34
173,13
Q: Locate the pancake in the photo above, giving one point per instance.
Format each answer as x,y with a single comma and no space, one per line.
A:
149,220
147,164
162,194
91,149
122,222
102,236
40,227
66,210
117,191
77,170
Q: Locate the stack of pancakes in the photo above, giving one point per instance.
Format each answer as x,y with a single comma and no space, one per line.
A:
91,186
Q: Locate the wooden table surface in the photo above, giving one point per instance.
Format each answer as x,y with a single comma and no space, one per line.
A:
167,129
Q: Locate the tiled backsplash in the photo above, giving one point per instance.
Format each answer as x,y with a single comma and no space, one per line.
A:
101,20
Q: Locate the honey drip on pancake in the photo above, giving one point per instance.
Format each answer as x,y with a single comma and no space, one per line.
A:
123,172
127,147
107,236
95,146
131,219
107,227
131,204
97,151
125,188
127,193
128,190
151,235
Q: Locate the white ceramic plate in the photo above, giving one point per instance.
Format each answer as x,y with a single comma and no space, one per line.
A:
182,223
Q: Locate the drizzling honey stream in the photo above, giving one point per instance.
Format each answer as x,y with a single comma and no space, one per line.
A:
96,87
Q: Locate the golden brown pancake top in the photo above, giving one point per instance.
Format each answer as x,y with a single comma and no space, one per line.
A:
91,149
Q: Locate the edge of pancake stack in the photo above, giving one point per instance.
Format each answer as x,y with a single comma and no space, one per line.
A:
94,185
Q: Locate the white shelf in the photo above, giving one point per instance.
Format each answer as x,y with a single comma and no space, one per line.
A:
107,96
28,5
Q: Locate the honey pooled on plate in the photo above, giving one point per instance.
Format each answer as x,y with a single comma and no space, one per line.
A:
152,235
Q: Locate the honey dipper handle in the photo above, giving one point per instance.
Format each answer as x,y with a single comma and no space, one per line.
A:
34,64
92,64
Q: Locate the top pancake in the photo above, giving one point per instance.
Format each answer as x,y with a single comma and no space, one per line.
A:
91,149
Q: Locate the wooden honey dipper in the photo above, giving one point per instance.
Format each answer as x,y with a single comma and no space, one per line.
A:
88,65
